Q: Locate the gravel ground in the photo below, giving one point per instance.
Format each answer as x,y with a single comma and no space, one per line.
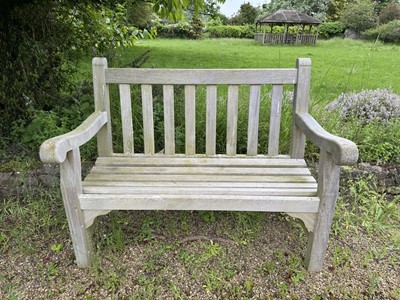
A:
184,255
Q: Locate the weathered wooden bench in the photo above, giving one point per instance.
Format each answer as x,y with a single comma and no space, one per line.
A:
208,181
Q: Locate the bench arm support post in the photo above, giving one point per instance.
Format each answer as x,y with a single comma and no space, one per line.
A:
55,150
328,189
334,152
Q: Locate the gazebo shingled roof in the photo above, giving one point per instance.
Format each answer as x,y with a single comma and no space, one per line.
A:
289,17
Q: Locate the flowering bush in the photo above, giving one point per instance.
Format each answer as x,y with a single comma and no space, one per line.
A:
368,105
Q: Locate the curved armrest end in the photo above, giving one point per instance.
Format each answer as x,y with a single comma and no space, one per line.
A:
55,150
344,152
49,153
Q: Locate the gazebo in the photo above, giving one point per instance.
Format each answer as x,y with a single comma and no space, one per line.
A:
295,28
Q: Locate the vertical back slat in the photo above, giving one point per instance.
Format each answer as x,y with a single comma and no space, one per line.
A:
169,119
300,105
102,103
232,119
275,119
126,117
190,119
252,129
211,119
148,123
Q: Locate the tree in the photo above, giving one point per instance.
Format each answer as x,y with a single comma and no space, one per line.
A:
42,40
246,14
389,13
334,10
359,16
314,8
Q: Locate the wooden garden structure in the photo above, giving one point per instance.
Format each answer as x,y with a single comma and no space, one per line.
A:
260,180
298,28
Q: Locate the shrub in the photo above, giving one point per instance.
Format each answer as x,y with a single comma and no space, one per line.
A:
389,32
389,13
196,30
331,29
181,30
368,105
379,142
371,120
246,31
359,16
178,30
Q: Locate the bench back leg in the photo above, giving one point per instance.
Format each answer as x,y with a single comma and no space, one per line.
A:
328,188
71,188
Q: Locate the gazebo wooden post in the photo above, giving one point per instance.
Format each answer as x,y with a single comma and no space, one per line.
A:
265,28
285,33
316,35
298,41
287,18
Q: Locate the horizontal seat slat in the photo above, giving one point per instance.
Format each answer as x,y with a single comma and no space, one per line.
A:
220,161
199,202
199,171
190,190
195,178
200,76
220,184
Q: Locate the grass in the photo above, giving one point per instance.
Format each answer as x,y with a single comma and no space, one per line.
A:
215,255
338,65
201,255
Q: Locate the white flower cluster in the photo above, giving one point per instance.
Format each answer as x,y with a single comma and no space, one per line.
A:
368,105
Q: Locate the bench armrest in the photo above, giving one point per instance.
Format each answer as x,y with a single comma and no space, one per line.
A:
54,150
344,152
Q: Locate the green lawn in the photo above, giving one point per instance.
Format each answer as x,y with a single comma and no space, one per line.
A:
220,255
338,65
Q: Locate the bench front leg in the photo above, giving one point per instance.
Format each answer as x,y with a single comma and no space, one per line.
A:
328,188
71,188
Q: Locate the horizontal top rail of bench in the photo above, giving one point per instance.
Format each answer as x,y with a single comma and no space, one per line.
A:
201,76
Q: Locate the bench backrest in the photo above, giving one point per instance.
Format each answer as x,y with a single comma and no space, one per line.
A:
190,79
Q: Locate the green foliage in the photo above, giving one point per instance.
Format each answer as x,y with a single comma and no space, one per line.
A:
389,13
359,16
331,29
379,142
247,14
246,31
182,29
310,7
389,32
41,43
335,8
196,30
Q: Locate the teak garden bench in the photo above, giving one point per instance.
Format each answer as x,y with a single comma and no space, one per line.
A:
208,181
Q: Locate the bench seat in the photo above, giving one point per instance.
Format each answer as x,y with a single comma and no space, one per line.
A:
143,182
215,106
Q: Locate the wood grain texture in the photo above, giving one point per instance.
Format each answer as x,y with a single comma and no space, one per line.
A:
126,117
71,189
148,122
169,119
300,105
239,161
102,103
201,76
199,202
190,119
275,119
344,152
328,189
54,150
232,120
254,111
211,119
